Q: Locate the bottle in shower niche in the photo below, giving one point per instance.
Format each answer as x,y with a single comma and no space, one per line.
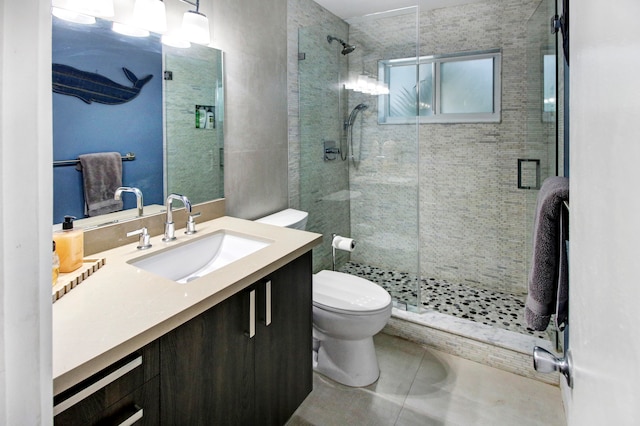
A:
210,118
69,245
201,117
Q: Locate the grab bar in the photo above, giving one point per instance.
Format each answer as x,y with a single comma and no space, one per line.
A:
129,156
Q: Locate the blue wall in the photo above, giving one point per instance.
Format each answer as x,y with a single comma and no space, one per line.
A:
135,126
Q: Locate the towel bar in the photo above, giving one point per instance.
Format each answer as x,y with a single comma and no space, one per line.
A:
129,156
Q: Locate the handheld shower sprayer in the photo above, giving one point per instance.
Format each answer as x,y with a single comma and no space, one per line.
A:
348,127
354,113
346,48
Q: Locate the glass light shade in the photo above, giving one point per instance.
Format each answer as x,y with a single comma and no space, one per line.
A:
71,16
150,15
103,8
129,30
195,27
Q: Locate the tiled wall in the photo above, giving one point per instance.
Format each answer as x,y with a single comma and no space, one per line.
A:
441,199
315,115
472,217
194,163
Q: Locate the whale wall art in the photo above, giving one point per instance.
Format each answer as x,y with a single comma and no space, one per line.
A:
93,87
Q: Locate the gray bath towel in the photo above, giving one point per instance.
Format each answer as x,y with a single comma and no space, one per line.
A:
101,175
548,278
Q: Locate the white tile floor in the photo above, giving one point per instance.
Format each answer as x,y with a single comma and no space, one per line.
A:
419,386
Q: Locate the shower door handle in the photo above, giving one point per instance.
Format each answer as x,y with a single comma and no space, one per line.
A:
527,163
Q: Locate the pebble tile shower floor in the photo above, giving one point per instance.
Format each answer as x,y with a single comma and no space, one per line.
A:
502,310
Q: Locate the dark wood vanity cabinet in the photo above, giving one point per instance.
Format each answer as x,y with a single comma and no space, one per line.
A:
231,367
245,361
125,392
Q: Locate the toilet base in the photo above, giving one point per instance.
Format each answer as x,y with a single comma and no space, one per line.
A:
349,362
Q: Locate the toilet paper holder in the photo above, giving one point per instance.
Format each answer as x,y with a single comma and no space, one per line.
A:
340,243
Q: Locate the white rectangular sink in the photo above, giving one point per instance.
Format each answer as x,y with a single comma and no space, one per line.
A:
188,261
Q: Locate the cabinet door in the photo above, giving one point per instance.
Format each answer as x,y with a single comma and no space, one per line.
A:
207,368
284,375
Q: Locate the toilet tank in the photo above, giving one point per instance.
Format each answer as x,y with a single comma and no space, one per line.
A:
289,218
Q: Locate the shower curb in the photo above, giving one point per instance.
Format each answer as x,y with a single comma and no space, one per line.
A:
484,352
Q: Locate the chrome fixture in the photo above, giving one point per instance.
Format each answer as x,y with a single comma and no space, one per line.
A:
195,25
191,224
545,362
346,48
139,200
348,127
354,113
169,228
144,241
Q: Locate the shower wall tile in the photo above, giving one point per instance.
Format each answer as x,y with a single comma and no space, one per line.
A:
473,220
315,116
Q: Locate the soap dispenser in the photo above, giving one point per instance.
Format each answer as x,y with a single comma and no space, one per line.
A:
69,245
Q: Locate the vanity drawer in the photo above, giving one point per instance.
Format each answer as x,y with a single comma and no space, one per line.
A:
119,394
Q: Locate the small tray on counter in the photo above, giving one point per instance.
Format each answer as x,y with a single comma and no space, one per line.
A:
70,280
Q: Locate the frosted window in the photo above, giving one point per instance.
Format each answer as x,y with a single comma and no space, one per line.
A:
402,91
457,88
425,83
467,86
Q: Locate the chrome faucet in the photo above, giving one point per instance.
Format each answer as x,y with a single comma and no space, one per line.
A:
139,200
169,228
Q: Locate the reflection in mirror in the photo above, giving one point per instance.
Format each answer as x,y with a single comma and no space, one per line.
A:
549,87
155,120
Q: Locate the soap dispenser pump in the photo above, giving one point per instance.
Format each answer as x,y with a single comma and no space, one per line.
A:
69,245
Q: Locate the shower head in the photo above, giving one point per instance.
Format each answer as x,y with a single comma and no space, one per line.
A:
346,48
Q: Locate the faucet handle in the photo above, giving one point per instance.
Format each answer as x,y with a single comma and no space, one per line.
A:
191,224
144,241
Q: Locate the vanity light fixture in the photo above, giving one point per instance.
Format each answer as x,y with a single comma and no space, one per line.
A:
195,25
82,11
150,15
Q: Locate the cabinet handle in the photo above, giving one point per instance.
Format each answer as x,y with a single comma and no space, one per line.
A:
134,418
252,314
108,379
267,319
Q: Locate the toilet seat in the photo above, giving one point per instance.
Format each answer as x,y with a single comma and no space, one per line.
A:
348,294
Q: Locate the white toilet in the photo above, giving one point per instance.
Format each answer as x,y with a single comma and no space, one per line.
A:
347,312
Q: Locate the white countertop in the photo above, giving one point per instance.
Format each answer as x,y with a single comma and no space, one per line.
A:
121,308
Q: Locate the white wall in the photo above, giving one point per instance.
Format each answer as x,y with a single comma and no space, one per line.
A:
605,212
25,212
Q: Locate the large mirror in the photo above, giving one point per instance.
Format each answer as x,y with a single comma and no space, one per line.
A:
172,122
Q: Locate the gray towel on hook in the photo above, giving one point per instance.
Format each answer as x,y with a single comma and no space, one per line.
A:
548,278
101,175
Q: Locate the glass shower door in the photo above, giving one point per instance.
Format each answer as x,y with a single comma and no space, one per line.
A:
543,153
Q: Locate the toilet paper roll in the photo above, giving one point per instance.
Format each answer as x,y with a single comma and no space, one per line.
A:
343,243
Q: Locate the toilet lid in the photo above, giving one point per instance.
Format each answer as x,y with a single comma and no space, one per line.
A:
346,292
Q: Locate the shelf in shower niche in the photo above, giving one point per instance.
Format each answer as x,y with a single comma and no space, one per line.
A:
70,280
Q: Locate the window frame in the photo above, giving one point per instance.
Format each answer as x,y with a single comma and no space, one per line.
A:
438,116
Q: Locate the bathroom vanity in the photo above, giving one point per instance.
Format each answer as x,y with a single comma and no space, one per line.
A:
230,347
